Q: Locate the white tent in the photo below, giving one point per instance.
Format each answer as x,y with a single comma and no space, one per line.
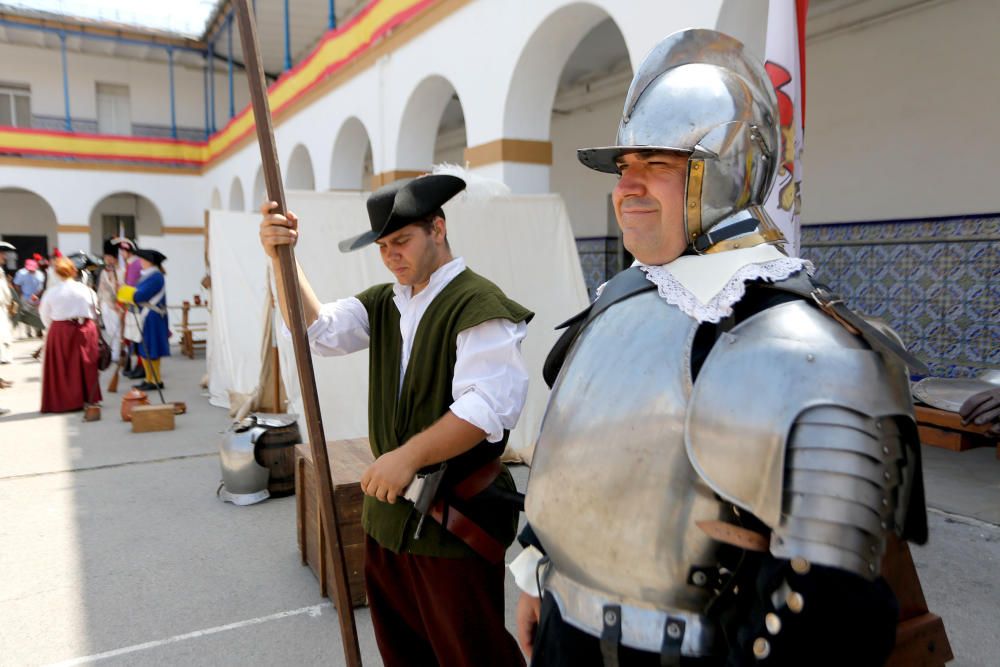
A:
522,243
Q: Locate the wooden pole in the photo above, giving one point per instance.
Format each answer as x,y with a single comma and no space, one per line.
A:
303,357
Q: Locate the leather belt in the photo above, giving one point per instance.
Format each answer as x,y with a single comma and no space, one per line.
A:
461,526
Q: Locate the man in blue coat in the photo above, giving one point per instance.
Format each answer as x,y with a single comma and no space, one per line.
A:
149,305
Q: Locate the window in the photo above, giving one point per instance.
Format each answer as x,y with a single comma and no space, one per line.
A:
113,115
15,105
117,225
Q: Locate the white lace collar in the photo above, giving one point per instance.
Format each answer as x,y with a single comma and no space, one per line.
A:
705,287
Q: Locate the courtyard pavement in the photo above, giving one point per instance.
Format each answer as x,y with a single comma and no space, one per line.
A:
114,549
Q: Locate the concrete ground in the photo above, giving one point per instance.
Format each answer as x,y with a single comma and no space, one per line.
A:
115,550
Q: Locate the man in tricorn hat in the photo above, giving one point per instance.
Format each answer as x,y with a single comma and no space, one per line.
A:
726,446
447,383
148,301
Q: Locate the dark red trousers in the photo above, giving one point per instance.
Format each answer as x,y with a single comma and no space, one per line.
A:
70,377
438,611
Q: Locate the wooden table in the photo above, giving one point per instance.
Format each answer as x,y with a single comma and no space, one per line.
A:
941,428
188,330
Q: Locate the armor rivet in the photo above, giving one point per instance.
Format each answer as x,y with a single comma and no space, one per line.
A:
885,502
699,578
695,166
886,475
885,525
610,618
800,565
773,623
795,602
871,567
673,631
873,549
810,357
878,425
692,205
761,648
885,450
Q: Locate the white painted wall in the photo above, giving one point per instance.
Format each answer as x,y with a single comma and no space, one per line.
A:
901,117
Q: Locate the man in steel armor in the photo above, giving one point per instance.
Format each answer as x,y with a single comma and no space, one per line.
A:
727,447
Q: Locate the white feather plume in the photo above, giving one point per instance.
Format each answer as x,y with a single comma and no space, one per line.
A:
476,187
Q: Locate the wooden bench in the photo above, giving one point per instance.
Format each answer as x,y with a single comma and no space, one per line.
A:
940,428
192,335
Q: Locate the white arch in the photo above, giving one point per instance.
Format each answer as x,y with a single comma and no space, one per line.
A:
148,220
236,199
349,168
418,128
215,202
259,189
299,174
27,213
528,105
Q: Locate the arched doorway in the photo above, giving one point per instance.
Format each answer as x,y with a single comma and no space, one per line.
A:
351,162
124,213
568,88
432,128
299,175
259,189
236,200
29,224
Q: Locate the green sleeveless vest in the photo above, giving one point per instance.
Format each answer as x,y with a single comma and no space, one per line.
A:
395,414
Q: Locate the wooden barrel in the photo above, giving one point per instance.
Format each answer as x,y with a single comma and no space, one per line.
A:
275,449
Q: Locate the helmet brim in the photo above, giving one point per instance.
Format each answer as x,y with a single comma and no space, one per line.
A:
605,158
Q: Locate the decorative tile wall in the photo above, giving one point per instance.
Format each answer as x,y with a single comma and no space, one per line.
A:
937,283
600,260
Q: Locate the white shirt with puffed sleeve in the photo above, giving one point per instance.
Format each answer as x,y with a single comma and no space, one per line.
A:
490,382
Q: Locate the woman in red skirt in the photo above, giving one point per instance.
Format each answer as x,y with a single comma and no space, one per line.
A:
70,379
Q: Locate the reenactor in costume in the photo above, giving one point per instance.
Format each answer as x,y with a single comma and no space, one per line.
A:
147,303
726,447
109,281
446,384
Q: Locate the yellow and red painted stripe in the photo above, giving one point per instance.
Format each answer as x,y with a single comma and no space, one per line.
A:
337,48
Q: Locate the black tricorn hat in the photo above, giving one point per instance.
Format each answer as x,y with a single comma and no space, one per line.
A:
394,206
154,256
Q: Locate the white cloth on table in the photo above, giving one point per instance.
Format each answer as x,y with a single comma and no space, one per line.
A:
490,382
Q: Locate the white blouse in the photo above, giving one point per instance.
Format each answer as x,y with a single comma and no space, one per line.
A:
490,382
65,300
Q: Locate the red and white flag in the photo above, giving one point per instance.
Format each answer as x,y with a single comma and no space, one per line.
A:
785,61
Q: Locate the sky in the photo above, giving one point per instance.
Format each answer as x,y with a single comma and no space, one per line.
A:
187,17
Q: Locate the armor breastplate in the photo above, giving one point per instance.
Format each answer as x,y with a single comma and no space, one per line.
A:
612,495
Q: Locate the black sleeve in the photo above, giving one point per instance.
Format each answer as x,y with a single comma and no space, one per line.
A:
527,538
843,619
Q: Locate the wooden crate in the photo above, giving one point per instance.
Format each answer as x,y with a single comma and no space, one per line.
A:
148,418
940,428
348,461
